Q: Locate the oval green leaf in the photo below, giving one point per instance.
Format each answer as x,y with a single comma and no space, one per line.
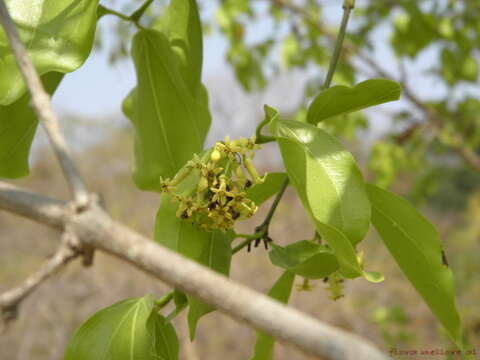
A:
415,245
18,124
59,35
180,22
329,185
305,258
280,291
129,329
341,99
170,122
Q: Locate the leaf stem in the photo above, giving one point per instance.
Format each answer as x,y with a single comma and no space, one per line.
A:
348,6
248,240
263,139
137,14
134,17
164,300
103,10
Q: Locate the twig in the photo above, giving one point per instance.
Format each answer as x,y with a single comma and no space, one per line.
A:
348,6
11,300
95,228
43,108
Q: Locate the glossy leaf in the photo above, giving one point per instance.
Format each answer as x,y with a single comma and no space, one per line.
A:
181,24
262,192
305,258
280,291
170,122
129,329
415,245
59,36
18,124
329,185
341,99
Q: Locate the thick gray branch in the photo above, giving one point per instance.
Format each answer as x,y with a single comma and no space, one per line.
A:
95,228
43,108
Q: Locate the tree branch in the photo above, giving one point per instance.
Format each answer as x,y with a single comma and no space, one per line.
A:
95,228
43,108
11,299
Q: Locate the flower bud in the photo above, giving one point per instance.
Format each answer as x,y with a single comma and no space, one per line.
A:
215,156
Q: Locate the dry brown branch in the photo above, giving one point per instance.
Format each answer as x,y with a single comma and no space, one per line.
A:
11,300
95,228
43,108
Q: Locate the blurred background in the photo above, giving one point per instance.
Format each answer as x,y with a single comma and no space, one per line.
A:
425,147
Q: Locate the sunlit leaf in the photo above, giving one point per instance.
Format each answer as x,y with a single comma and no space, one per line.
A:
58,34
329,185
180,22
129,329
280,291
341,99
415,245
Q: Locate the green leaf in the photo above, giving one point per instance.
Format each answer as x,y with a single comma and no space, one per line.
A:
340,99
129,329
166,346
415,245
329,185
305,258
214,251
18,124
59,36
170,122
181,24
280,291
262,192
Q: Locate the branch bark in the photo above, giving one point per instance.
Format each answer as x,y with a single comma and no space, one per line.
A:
43,108
95,228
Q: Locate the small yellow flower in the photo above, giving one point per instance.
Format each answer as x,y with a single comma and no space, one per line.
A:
210,172
166,186
221,193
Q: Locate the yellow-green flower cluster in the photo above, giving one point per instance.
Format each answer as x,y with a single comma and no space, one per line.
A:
219,198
